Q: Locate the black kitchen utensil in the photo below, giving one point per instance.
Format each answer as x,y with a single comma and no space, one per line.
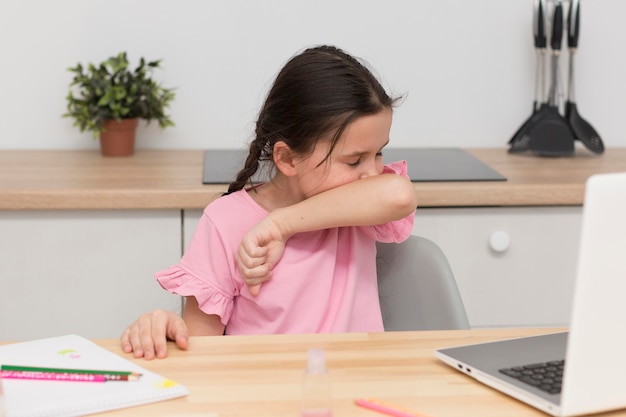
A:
583,131
520,140
551,135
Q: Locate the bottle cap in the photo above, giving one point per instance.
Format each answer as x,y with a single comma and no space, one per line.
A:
316,361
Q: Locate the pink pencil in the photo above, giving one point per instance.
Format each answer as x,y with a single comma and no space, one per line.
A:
386,408
53,376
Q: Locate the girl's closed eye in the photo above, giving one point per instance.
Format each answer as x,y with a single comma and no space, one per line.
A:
358,161
355,163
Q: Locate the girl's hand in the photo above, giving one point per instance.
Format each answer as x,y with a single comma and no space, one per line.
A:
260,250
147,336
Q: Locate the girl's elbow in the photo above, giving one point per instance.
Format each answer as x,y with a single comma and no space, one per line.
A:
404,196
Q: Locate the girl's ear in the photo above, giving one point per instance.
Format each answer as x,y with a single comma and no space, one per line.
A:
284,158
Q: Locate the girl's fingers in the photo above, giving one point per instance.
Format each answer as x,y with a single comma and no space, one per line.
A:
254,289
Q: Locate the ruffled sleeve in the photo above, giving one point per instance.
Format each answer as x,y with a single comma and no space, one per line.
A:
207,270
398,230
177,280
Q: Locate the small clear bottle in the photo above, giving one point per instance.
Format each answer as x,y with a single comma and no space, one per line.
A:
316,387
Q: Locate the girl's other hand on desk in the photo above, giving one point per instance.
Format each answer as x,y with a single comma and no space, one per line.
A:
147,336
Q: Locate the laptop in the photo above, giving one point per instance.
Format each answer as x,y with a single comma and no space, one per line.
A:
590,357
424,164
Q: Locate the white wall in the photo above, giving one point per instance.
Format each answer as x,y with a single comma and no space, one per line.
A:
466,65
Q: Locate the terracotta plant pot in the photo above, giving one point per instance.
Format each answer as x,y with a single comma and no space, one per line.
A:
118,138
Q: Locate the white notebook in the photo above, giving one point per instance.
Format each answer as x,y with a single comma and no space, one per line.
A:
32,398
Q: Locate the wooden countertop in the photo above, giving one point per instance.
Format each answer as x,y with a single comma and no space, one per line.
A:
172,179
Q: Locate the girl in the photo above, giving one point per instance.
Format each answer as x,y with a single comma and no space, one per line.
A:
295,254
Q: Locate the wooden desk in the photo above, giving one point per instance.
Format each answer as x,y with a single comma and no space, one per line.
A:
262,375
165,179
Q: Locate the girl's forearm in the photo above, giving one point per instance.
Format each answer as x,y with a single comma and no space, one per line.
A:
370,201
199,323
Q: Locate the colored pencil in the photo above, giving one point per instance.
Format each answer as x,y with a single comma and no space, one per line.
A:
109,374
53,376
386,408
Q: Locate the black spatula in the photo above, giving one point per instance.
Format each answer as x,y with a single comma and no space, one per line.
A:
520,140
551,135
583,131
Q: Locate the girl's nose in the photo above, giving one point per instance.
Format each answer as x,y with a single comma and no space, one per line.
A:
373,167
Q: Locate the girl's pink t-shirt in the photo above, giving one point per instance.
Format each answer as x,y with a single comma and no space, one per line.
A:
325,282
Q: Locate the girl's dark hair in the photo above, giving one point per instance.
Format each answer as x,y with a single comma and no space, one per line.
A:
319,91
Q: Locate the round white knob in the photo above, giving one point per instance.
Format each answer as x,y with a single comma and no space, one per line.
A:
500,241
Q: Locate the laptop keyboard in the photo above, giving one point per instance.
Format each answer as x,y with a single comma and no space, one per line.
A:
546,376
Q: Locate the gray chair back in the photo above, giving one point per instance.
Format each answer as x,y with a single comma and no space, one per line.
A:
416,287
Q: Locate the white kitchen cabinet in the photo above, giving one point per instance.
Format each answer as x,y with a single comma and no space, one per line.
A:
528,282
87,272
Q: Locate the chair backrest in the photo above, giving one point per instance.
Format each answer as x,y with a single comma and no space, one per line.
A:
416,287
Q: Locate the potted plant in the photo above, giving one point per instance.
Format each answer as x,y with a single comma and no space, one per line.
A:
109,99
